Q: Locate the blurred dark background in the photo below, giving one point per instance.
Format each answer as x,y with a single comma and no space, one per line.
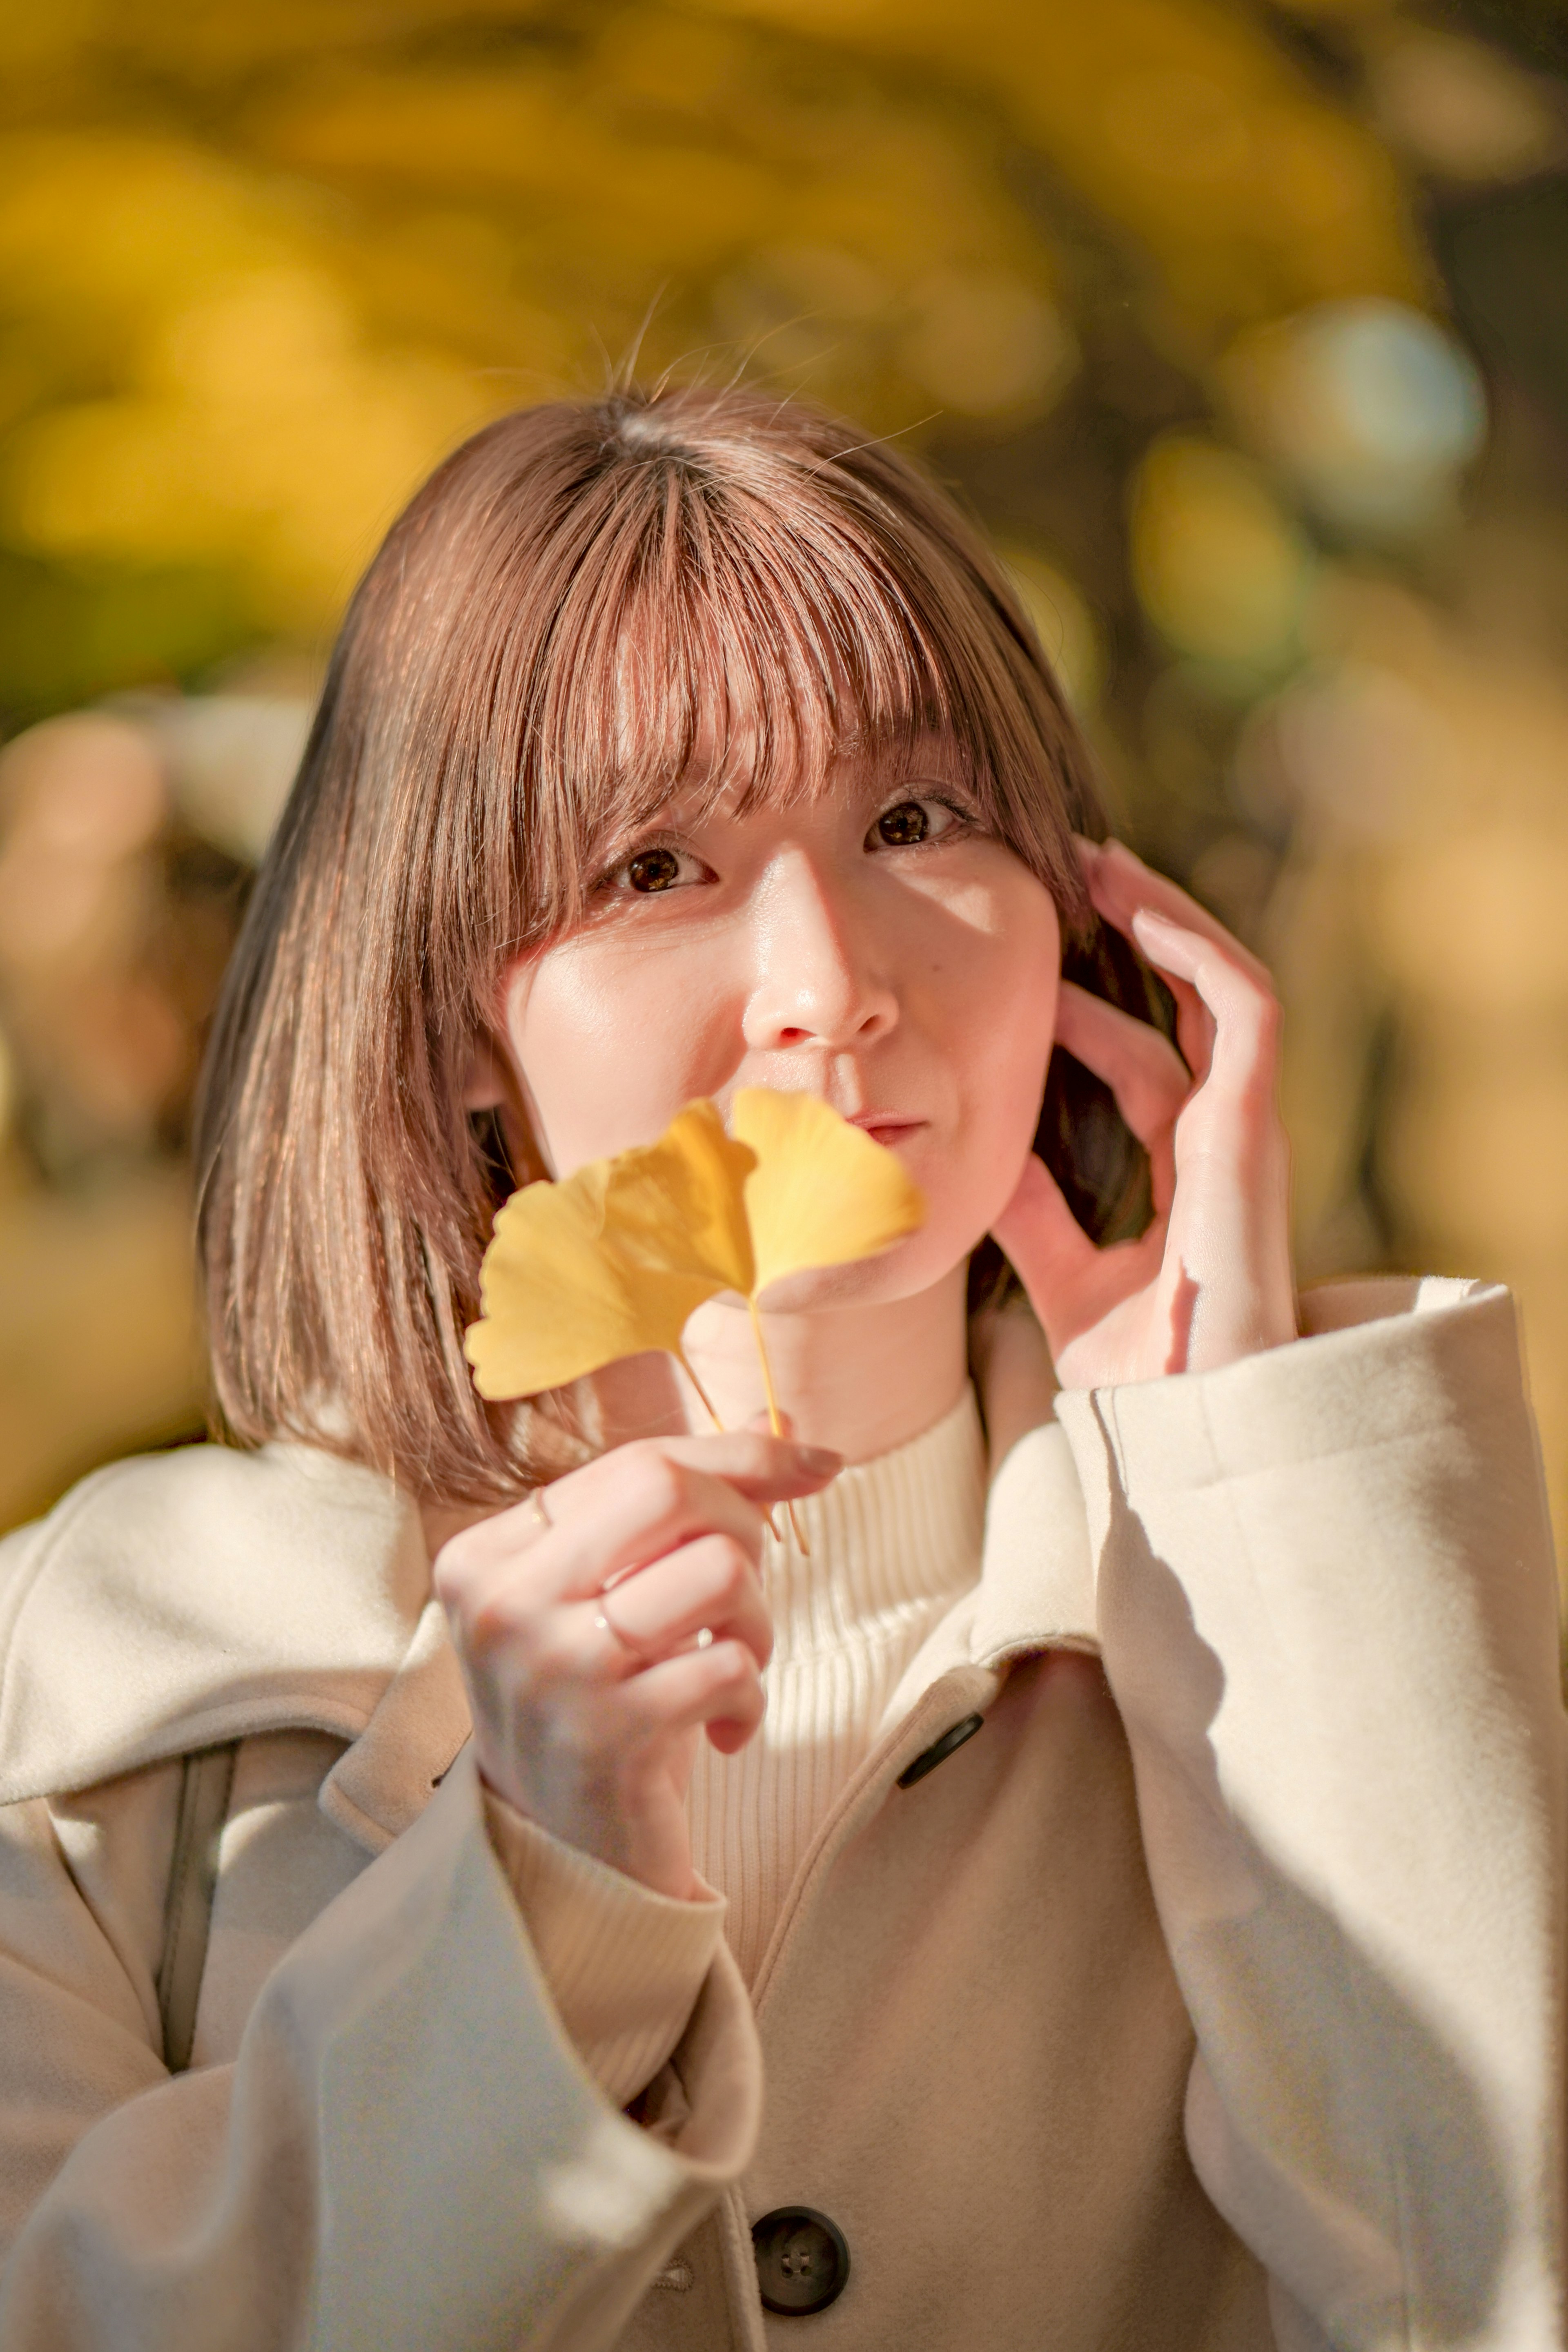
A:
1243,326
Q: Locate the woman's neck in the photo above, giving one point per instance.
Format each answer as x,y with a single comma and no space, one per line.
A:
860,1378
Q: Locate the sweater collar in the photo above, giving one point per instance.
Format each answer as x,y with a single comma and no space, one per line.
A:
896,1536
180,1600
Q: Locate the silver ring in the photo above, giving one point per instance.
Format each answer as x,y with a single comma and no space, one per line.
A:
601,1624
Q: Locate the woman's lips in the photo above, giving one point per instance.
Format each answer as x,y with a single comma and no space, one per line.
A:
886,1127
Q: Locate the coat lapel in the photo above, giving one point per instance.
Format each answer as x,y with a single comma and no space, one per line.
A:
1037,1582
381,1785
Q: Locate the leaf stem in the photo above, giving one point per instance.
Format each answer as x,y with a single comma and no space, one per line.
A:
773,1413
703,1397
713,1415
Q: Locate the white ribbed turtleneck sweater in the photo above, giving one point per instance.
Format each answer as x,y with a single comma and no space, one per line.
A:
893,1544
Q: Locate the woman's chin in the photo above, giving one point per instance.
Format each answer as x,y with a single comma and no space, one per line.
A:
908,1270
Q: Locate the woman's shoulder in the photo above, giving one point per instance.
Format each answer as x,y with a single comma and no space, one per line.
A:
201,1595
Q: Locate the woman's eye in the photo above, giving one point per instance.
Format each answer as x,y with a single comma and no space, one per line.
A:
659,868
909,822
654,869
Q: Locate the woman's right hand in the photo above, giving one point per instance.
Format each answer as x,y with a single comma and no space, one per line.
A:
577,1623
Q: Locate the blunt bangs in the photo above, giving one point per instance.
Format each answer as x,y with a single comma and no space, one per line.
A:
715,596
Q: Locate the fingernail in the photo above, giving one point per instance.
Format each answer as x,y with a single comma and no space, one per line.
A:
819,1461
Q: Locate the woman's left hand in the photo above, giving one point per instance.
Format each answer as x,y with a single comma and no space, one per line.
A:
1211,1279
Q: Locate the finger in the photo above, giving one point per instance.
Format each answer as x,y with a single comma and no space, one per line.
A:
763,1422
1070,1282
762,1467
1122,888
652,1506
1120,883
1244,1010
719,1688
1119,908
708,1587
1138,1061
552,1652
633,1504
1194,1021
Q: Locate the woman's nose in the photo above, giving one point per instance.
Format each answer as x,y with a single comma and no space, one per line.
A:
818,979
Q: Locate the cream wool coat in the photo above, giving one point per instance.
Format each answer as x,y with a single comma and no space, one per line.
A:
1209,2000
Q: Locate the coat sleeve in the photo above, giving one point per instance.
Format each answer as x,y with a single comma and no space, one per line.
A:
624,1966
405,2152
1328,1611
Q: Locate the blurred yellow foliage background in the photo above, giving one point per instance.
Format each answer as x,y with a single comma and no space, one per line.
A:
1233,321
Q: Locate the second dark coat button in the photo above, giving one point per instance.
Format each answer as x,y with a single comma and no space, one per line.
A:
802,2262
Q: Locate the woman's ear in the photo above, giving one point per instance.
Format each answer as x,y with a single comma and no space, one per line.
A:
486,1081
491,1083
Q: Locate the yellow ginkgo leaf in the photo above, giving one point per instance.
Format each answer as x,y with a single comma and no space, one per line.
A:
679,1205
557,1303
613,1260
821,1193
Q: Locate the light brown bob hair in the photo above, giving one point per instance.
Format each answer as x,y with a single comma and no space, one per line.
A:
587,606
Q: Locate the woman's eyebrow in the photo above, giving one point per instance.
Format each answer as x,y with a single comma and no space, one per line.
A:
671,815
944,773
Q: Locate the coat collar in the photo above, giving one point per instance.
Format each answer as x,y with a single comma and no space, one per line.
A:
183,1599
180,1600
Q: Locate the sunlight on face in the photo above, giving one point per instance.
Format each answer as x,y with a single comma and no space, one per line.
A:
876,945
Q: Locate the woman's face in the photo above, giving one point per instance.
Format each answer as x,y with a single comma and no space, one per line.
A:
876,945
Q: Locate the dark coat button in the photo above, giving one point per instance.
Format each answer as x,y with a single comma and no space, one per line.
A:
802,2262
940,1749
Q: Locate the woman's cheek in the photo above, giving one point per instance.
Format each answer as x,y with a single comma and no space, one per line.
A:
609,1048
1012,1021
1004,1088
969,1173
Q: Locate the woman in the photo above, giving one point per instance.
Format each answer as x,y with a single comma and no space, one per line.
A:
1134,1918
